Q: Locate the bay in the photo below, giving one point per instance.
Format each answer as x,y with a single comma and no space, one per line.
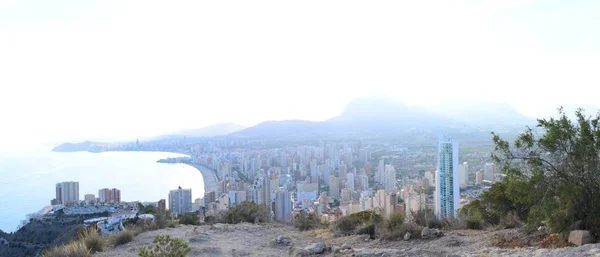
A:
27,181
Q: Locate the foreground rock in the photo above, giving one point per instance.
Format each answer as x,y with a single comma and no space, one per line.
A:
580,237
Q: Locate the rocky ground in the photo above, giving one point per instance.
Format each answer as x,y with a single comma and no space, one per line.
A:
281,240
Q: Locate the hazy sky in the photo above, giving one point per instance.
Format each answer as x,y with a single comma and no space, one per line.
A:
71,70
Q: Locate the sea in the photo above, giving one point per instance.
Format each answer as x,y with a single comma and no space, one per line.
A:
28,181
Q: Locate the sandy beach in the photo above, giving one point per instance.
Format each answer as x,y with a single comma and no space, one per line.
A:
210,177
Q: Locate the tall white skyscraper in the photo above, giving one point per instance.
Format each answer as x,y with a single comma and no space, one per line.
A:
69,192
350,182
389,178
447,190
489,171
334,187
180,201
379,177
283,206
463,173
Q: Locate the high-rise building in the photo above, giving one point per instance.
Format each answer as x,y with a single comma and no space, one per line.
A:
265,193
283,206
463,174
334,187
379,177
180,201
58,194
89,198
109,195
162,204
350,182
343,171
489,172
69,192
429,176
479,177
389,178
447,188
364,182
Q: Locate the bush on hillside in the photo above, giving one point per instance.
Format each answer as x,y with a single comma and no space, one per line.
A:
123,237
76,248
510,220
350,223
246,212
550,174
306,221
426,218
166,245
400,231
189,219
92,240
394,221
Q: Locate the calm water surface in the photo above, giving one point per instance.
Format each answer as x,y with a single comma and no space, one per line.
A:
27,181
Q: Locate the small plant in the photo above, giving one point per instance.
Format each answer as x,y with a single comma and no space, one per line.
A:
76,248
123,237
189,219
92,240
166,246
172,223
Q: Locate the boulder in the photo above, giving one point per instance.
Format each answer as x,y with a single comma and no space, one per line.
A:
313,249
346,246
281,240
580,237
407,236
425,233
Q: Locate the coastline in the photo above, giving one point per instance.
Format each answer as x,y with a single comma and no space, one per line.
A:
209,176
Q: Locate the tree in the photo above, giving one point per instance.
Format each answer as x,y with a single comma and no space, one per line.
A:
554,177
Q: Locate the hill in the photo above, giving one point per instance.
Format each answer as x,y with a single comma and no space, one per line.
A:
369,115
260,240
483,114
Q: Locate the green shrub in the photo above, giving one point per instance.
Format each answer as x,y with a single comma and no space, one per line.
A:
367,229
511,220
398,232
474,223
189,219
172,223
123,237
92,240
426,218
166,246
306,221
350,223
160,218
246,212
76,248
211,219
394,221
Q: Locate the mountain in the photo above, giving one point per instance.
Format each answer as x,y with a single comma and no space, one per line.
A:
77,147
483,114
282,128
213,130
374,115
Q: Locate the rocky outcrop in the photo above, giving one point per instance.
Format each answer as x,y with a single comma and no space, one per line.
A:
580,237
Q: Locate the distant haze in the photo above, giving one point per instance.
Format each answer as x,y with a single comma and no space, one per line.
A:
119,70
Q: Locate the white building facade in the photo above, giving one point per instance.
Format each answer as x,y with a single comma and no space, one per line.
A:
447,184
